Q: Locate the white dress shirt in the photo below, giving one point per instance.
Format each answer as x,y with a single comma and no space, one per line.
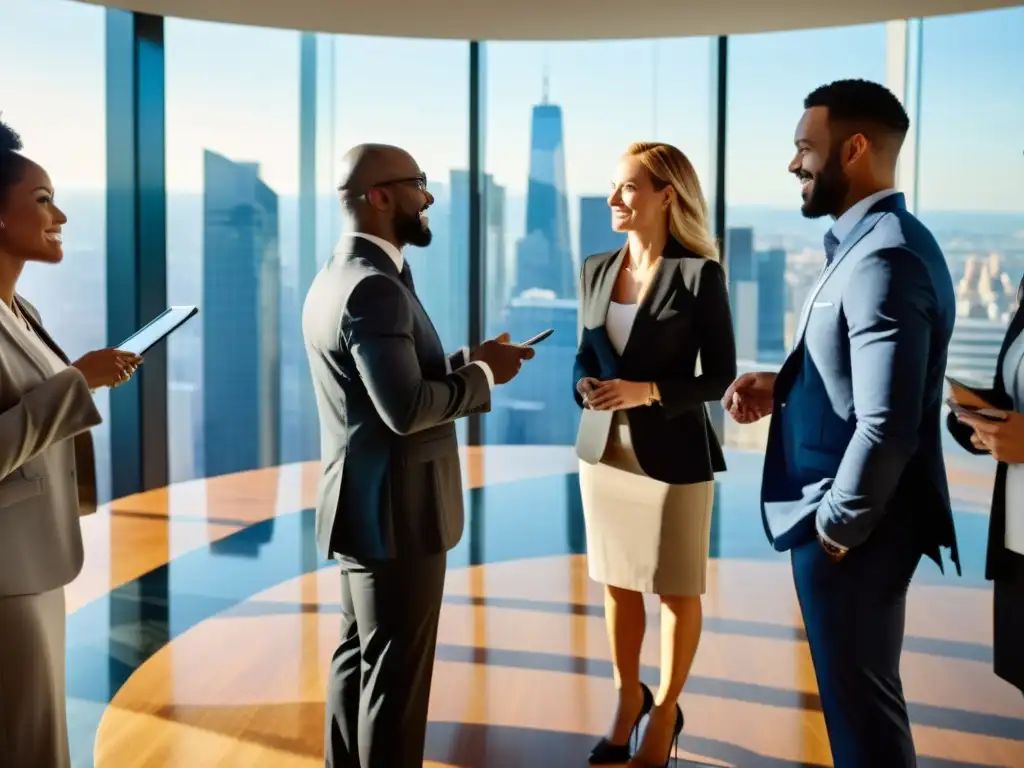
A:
842,227
396,256
619,324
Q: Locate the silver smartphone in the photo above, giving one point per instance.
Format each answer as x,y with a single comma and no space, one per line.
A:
538,338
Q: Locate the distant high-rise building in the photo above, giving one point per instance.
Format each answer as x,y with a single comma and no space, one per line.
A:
241,318
544,255
739,254
743,289
497,274
500,271
758,297
771,305
596,233
538,409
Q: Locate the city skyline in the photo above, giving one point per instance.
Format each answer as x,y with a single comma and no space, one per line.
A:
971,66
563,147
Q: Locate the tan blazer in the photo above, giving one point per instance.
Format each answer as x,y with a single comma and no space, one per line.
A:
47,467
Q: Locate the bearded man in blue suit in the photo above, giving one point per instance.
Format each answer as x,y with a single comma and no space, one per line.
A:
854,483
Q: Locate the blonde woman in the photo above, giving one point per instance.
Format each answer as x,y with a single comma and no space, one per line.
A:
647,450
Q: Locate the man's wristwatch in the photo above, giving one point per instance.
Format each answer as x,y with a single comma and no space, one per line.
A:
831,549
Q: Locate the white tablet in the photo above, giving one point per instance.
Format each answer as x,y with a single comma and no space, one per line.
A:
154,331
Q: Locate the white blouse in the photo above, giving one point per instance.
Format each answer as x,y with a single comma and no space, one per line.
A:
1013,379
15,317
619,323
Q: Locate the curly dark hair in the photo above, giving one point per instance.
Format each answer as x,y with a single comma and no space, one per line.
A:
863,107
12,164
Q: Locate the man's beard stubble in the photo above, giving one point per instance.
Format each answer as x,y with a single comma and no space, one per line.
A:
409,229
829,190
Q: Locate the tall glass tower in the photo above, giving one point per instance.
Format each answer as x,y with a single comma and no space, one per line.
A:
544,256
241,318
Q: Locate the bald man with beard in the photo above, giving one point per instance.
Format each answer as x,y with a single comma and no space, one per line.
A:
389,502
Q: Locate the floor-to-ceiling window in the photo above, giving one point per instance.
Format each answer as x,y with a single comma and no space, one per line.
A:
971,172
774,254
558,117
233,123
415,94
970,193
52,91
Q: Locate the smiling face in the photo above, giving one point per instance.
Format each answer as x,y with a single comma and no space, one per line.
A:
32,221
410,221
824,184
636,203
396,188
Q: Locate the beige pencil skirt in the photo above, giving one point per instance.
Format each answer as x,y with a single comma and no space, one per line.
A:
642,534
33,720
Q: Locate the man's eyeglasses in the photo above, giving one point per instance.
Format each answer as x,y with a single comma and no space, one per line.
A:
419,181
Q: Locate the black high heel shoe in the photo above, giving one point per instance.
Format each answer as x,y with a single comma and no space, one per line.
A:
673,746
606,753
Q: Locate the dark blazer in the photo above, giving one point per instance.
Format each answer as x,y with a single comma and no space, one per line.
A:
1002,565
855,430
387,394
684,312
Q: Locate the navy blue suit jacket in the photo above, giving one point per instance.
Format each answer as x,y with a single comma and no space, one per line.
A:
856,427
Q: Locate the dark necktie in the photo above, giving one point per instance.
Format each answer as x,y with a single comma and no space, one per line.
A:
406,275
831,243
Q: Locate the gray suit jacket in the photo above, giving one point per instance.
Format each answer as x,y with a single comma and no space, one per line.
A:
391,482
47,470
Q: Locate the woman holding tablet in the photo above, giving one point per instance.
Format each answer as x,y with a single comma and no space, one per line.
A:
47,477
1001,435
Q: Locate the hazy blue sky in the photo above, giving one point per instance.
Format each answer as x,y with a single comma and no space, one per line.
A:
235,90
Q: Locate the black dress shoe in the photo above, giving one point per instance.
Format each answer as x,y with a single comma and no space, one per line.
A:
674,743
606,753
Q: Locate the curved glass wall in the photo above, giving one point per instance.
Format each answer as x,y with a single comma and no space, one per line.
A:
255,122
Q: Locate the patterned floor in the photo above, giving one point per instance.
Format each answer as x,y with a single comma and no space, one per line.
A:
200,630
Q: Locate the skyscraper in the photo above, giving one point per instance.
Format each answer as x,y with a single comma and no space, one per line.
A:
241,316
596,233
771,305
743,289
544,255
739,249
758,297
498,272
